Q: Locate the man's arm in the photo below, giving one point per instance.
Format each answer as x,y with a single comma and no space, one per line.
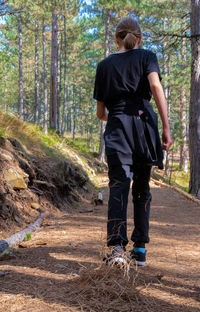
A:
101,111
159,97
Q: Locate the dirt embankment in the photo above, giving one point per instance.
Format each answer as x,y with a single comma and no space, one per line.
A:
31,184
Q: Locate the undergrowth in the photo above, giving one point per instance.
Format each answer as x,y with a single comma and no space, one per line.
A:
177,177
52,144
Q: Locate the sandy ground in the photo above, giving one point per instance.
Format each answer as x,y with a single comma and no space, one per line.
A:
66,272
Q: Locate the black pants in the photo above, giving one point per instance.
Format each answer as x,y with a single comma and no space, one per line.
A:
119,183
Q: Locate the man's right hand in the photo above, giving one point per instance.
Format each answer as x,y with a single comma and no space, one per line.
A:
166,140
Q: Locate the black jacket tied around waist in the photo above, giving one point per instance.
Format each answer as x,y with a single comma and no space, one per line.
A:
131,135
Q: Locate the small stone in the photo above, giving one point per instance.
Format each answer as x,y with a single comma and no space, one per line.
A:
73,244
100,196
61,266
85,188
17,219
43,260
7,254
3,273
86,211
3,246
15,179
6,156
35,205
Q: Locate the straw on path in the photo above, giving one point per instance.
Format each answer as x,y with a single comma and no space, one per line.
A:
67,273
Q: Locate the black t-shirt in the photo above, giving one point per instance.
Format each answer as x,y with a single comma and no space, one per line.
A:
131,135
123,75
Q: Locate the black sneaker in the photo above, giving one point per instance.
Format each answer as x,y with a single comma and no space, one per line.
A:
138,256
117,256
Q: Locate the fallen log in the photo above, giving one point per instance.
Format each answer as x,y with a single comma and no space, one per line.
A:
175,188
20,236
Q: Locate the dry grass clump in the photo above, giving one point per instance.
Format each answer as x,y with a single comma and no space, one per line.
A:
107,289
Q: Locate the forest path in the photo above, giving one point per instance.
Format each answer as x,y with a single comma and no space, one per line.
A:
47,277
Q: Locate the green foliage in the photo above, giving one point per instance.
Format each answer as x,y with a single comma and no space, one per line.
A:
28,236
81,144
180,178
2,132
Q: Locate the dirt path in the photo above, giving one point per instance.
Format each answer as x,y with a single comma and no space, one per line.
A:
66,273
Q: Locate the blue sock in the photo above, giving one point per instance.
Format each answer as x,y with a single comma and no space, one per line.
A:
142,250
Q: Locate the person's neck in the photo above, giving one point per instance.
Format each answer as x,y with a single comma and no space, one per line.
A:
122,49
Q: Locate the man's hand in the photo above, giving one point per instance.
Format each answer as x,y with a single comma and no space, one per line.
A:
102,113
166,140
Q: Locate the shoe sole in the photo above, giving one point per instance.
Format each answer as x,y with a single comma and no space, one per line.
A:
141,263
136,262
117,261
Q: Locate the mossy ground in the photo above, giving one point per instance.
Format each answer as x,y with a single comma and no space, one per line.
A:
52,144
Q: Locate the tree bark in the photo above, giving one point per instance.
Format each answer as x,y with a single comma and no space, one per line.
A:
20,236
69,116
90,137
74,113
194,124
45,79
5,98
53,84
81,123
183,145
106,53
36,113
167,95
65,81
59,85
21,86
183,115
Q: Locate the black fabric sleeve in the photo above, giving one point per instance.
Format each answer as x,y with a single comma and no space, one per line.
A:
152,64
98,86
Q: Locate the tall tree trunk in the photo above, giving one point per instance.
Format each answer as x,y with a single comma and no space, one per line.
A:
21,86
65,80
194,124
106,53
40,110
90,126
90,137
183,116
36,113
45,79
53,84
167,92
59,85
81,123
75,112
183,145
5,98
69,116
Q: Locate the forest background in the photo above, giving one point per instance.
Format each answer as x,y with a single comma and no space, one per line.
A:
49,51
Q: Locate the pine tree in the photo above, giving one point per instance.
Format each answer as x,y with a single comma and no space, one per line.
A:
194,126
21,86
